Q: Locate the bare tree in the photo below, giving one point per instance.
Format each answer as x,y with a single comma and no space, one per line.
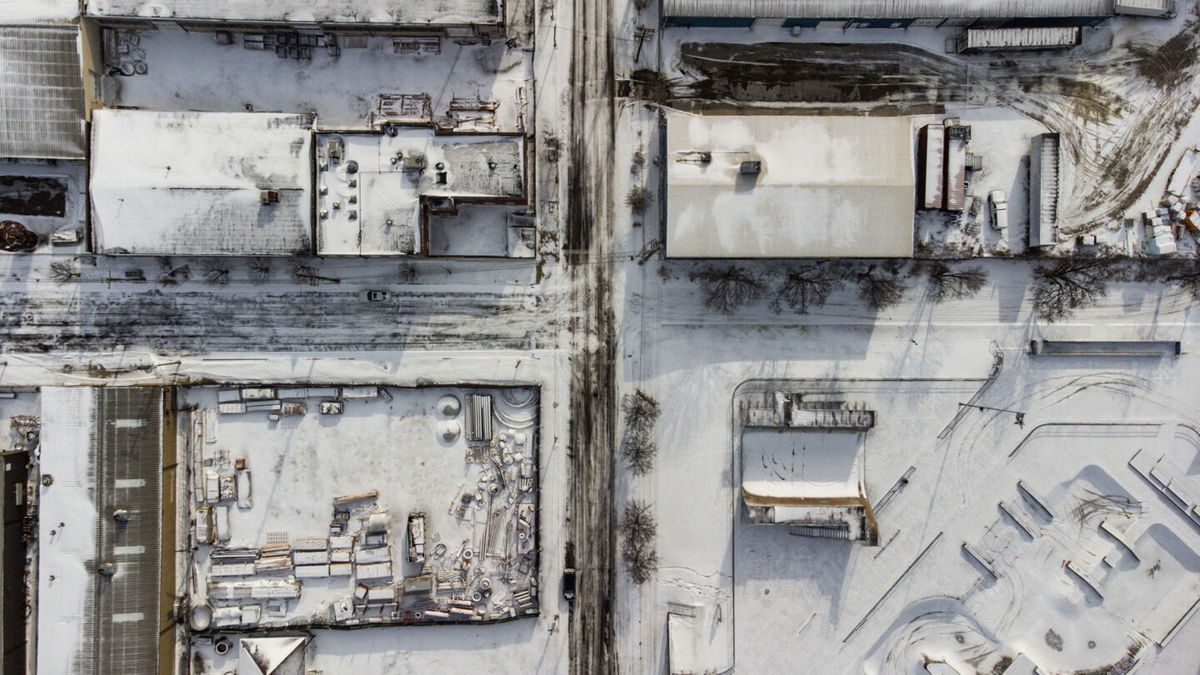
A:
728,288
637,444
638,198
1186,275
639,531
640,410
308,274
64,271
1070,284
807,288
260,270
946,282
880,287
215,272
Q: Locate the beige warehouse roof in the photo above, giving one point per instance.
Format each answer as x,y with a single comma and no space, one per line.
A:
887,9
829,187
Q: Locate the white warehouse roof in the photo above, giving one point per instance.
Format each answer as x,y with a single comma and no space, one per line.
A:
887,9
828,187
404,12
188,183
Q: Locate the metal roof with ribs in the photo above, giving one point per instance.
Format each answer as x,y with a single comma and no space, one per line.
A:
887,9
41,93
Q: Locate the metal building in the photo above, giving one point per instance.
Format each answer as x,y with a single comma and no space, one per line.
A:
41,93
974,40
188,183
883,13
774,186
1043,190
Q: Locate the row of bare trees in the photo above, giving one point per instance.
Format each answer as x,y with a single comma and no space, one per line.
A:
878,285
637,443
638,532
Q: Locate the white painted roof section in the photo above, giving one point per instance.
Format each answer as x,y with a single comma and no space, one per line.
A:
887,9
55,12
789,463
829,187
186,183
67,448
404,12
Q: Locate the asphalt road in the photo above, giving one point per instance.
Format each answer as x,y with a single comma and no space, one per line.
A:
589,239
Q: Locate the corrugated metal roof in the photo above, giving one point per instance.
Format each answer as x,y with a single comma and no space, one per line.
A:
41,93
887,9
999,38
307,11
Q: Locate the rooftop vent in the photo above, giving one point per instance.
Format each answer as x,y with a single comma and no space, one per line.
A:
750,168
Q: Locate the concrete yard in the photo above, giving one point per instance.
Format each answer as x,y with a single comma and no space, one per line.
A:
477,526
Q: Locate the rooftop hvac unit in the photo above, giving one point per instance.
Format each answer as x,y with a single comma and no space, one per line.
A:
974,162
750,168
958,132
269,196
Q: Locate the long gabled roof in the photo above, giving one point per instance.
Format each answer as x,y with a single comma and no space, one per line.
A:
887,9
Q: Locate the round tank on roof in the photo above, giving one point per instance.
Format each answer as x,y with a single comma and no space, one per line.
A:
201,617
449,405
449,430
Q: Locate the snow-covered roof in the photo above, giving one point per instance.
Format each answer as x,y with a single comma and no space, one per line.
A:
187,183
102,451
402,12
38,11
887,9
41,93
272,656
786,464
378,208
828,187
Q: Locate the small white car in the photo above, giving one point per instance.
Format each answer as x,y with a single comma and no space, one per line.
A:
998,210
375,295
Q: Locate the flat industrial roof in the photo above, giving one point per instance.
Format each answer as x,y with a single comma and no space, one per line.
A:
829,187
58,12
41,92
187,183
378,208
307,11
887,9
102,448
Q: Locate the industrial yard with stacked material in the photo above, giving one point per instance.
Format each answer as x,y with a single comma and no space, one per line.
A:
599,336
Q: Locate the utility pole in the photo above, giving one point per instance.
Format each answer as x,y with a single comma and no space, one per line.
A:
641,34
